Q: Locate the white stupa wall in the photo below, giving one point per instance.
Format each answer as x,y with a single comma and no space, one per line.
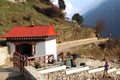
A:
51,48
47,48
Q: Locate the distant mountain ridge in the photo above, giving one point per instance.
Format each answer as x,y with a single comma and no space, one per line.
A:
109,12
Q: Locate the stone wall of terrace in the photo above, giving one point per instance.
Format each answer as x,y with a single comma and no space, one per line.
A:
76,73
4,56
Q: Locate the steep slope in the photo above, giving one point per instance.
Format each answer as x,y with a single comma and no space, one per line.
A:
108,12
23,14
12,14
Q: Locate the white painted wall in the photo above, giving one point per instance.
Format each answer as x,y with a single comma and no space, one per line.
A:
111,70
96,70
11,48
75,70
46,48
51,47
118,72
40,48
53,69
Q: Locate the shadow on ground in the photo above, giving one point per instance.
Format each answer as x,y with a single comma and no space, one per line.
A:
11,74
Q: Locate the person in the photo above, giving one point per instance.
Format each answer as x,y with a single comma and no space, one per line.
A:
106,67
73,63
109,35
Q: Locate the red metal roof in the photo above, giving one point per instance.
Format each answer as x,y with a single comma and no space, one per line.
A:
31,31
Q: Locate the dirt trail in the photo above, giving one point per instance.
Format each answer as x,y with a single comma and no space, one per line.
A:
69,44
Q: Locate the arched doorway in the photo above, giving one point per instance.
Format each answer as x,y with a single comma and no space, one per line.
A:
24,49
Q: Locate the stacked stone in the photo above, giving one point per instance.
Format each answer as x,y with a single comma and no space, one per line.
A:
96,75
118,77
58,75
31,73
77,76
61,75
112,75
67,75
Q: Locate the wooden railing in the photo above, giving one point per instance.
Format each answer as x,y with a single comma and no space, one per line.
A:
19,61
41,59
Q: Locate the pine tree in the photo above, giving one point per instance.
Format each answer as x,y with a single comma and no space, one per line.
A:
61,4
77,18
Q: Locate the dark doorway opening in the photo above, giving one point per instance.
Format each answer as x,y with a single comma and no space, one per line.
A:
24,49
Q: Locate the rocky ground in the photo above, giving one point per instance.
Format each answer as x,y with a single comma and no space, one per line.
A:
95,62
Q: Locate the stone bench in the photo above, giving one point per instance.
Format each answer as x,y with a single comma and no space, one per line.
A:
118,71
76,70
52,69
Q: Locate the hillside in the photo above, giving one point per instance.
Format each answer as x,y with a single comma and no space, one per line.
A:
14,14
22,14
109,12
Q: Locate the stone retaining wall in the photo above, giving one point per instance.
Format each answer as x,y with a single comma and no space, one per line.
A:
4,56
31,73
82,74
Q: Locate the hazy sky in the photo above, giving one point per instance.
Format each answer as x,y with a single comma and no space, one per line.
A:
79,6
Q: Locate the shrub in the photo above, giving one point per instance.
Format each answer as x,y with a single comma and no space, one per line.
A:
77,17
48,2
53,12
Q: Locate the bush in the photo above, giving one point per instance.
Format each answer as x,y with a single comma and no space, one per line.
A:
77,17
48,2
44,1
52,11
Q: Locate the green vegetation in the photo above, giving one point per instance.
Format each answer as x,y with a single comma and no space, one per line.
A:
109,50
14,14
77,18
22,14
61,4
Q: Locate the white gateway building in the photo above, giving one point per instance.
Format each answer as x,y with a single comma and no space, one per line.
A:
32,40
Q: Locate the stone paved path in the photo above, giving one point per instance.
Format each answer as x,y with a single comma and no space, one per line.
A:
9,73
